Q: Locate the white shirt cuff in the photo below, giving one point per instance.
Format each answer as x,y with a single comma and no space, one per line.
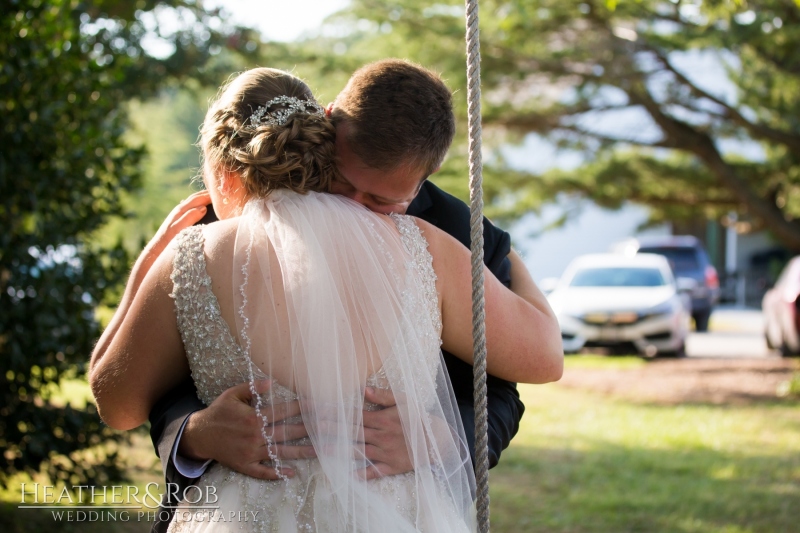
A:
190,468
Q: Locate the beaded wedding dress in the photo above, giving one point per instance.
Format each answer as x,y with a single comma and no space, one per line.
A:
330,298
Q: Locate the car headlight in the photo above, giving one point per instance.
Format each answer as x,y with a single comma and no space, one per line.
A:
561,311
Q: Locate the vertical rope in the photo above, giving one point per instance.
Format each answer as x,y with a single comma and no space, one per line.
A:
476,244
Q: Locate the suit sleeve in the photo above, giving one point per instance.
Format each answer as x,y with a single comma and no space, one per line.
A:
166,420
505,410
496,247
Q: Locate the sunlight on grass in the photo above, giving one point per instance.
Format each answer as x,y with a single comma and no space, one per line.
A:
586,463
603,361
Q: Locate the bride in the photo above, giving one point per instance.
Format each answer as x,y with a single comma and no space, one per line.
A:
322,298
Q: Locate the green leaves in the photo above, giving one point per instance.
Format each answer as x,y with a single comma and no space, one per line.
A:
68,70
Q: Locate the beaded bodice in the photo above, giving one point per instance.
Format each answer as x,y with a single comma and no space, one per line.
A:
216,360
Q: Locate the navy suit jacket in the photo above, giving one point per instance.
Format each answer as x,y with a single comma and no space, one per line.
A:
505,408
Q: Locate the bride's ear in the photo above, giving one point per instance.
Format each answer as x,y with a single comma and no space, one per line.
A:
230,183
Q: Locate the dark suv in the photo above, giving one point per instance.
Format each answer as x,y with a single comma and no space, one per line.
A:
688,259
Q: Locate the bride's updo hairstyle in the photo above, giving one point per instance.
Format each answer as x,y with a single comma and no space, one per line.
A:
297,154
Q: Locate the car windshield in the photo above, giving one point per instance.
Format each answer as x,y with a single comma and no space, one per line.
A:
681,259
618,277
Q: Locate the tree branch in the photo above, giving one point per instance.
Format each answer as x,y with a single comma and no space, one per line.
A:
759,131
700,144
547,124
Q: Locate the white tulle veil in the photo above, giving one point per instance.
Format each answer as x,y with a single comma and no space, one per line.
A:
332,298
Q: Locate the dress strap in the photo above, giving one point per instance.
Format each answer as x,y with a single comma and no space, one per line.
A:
422,263
211,350
188,267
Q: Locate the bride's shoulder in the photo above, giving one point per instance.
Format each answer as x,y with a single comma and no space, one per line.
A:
220,230
439,241
220,237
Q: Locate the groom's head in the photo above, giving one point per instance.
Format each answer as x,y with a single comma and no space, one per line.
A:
394,124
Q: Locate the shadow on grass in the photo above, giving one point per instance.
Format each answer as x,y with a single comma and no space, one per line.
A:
615,489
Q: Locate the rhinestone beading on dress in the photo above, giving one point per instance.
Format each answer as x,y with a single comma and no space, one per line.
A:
218,363
422,263
215,359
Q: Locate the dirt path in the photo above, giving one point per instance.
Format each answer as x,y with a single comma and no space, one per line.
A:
717,381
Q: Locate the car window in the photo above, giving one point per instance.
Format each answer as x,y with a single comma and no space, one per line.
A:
681,259
618,277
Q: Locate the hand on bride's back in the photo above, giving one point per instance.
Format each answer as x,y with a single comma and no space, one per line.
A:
384,443
229,432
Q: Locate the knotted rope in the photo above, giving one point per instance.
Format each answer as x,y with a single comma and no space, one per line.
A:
476,244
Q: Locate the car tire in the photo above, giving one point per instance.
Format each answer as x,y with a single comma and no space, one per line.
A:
675,354
786,351
701,320
770,346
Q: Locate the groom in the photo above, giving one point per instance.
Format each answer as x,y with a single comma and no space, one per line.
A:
394,125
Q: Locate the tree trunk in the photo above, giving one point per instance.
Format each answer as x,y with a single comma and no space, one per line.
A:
787,232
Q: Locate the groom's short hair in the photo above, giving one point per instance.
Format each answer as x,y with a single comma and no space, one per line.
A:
398,113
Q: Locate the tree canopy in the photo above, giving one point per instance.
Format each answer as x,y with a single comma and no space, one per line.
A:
68,69
688,107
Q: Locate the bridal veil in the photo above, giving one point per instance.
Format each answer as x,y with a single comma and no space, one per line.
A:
332,298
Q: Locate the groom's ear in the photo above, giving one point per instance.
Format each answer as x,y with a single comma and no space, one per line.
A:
329,110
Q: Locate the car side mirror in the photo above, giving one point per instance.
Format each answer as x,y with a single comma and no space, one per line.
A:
686,284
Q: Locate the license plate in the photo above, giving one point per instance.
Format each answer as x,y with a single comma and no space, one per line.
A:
610,333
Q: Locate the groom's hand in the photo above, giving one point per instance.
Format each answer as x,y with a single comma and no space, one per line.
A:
384,443
229,432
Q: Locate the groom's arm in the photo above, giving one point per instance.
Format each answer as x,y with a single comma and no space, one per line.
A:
228,431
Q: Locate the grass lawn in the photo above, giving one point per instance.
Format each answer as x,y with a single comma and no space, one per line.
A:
585,463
